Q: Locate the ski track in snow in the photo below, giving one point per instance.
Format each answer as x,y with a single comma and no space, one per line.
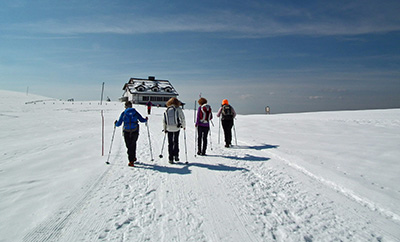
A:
346,192
276,194
251,192
59,226
155,202
290,208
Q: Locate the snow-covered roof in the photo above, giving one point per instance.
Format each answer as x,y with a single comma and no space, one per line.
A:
150,86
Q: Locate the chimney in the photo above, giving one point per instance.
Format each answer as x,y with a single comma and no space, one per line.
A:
152,78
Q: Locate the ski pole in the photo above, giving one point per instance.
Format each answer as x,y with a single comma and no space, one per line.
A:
234,130
210,140
112,140
195,129
194,112
184,132
148,134
219,130
162,147
195,140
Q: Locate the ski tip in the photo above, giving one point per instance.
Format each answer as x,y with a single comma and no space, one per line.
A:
107,162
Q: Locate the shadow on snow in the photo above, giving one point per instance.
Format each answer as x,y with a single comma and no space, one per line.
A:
218,167
256,147
183,169
247,157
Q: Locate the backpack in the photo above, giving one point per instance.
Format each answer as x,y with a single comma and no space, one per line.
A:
205,113
131,123
171,117
226,112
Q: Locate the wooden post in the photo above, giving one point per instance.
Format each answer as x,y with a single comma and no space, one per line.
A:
102,92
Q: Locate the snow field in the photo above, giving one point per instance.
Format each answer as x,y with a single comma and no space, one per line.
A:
292,177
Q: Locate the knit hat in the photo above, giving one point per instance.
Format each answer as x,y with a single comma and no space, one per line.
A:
225,102
128,104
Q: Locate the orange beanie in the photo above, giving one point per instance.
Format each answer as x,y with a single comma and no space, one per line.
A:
225,102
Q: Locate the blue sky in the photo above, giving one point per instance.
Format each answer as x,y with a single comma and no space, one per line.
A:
293,56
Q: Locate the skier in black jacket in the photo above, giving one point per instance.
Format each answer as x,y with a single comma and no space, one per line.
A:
227,113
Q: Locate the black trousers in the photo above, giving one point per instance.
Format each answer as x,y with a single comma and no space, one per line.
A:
130,142
227,126
202,138
173,145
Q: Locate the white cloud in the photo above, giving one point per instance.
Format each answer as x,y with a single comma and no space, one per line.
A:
245,96
315,97
231,24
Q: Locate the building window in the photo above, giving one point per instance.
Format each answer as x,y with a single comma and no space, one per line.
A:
153,99
140,89
145,98
166,99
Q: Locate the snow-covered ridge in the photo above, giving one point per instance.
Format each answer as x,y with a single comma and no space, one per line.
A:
291,177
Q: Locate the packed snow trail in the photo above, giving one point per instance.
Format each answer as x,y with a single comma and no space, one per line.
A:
246,193
297,177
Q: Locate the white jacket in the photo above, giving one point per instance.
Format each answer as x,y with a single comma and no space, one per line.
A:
175,128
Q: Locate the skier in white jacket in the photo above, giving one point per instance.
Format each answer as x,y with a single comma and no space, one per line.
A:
174,120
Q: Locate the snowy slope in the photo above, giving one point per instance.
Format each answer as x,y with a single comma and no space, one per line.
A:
292,177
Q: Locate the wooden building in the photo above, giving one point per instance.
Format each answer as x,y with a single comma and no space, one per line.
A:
141,91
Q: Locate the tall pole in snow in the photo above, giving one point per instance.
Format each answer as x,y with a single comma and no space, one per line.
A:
102,92
102,122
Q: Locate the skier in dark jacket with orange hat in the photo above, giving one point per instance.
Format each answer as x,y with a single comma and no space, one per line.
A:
227,113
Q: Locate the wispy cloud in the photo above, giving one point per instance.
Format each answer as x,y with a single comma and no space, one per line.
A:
315,97
38,37
347,20
246,96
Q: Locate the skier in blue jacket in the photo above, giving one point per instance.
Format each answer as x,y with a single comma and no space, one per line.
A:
130,117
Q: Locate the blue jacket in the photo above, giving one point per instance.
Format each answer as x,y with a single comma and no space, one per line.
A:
130,117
